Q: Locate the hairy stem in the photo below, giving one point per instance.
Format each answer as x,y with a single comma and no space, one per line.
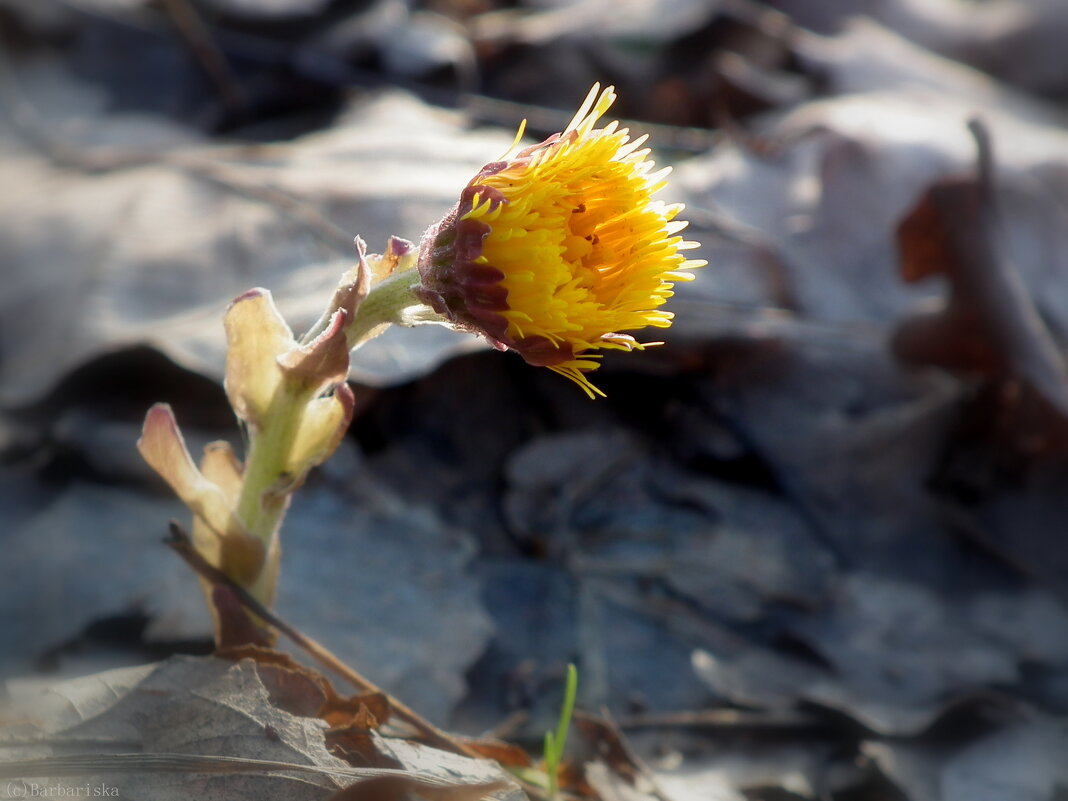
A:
386,304
263,500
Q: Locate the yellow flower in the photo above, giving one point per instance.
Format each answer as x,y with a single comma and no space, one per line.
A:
558,250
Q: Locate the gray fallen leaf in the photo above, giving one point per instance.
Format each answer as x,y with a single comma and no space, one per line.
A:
153,235
1023,762
648,21
755,677
809,219
758,551
1016,41
692,783
867,56
185,705
741,767
431,762
903,644
1020,760
900,657
91,553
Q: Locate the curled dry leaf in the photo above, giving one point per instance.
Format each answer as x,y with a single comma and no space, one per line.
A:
298,687
990,325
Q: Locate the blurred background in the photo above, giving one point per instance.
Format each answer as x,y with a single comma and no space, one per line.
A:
813,547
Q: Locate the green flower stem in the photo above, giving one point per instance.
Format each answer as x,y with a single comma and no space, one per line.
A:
385,304
263,499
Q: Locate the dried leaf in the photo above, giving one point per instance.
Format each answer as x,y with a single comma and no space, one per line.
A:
364,711
990,324
355,746
337,710
506,754
212,727
299,692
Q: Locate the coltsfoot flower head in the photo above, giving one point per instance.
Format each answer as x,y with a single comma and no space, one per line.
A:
559,249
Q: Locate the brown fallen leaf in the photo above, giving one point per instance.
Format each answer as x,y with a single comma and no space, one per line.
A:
365,710
304,691
291,686
507,754
355,745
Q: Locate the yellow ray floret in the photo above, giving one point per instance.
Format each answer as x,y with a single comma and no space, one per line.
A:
580,251
585,251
